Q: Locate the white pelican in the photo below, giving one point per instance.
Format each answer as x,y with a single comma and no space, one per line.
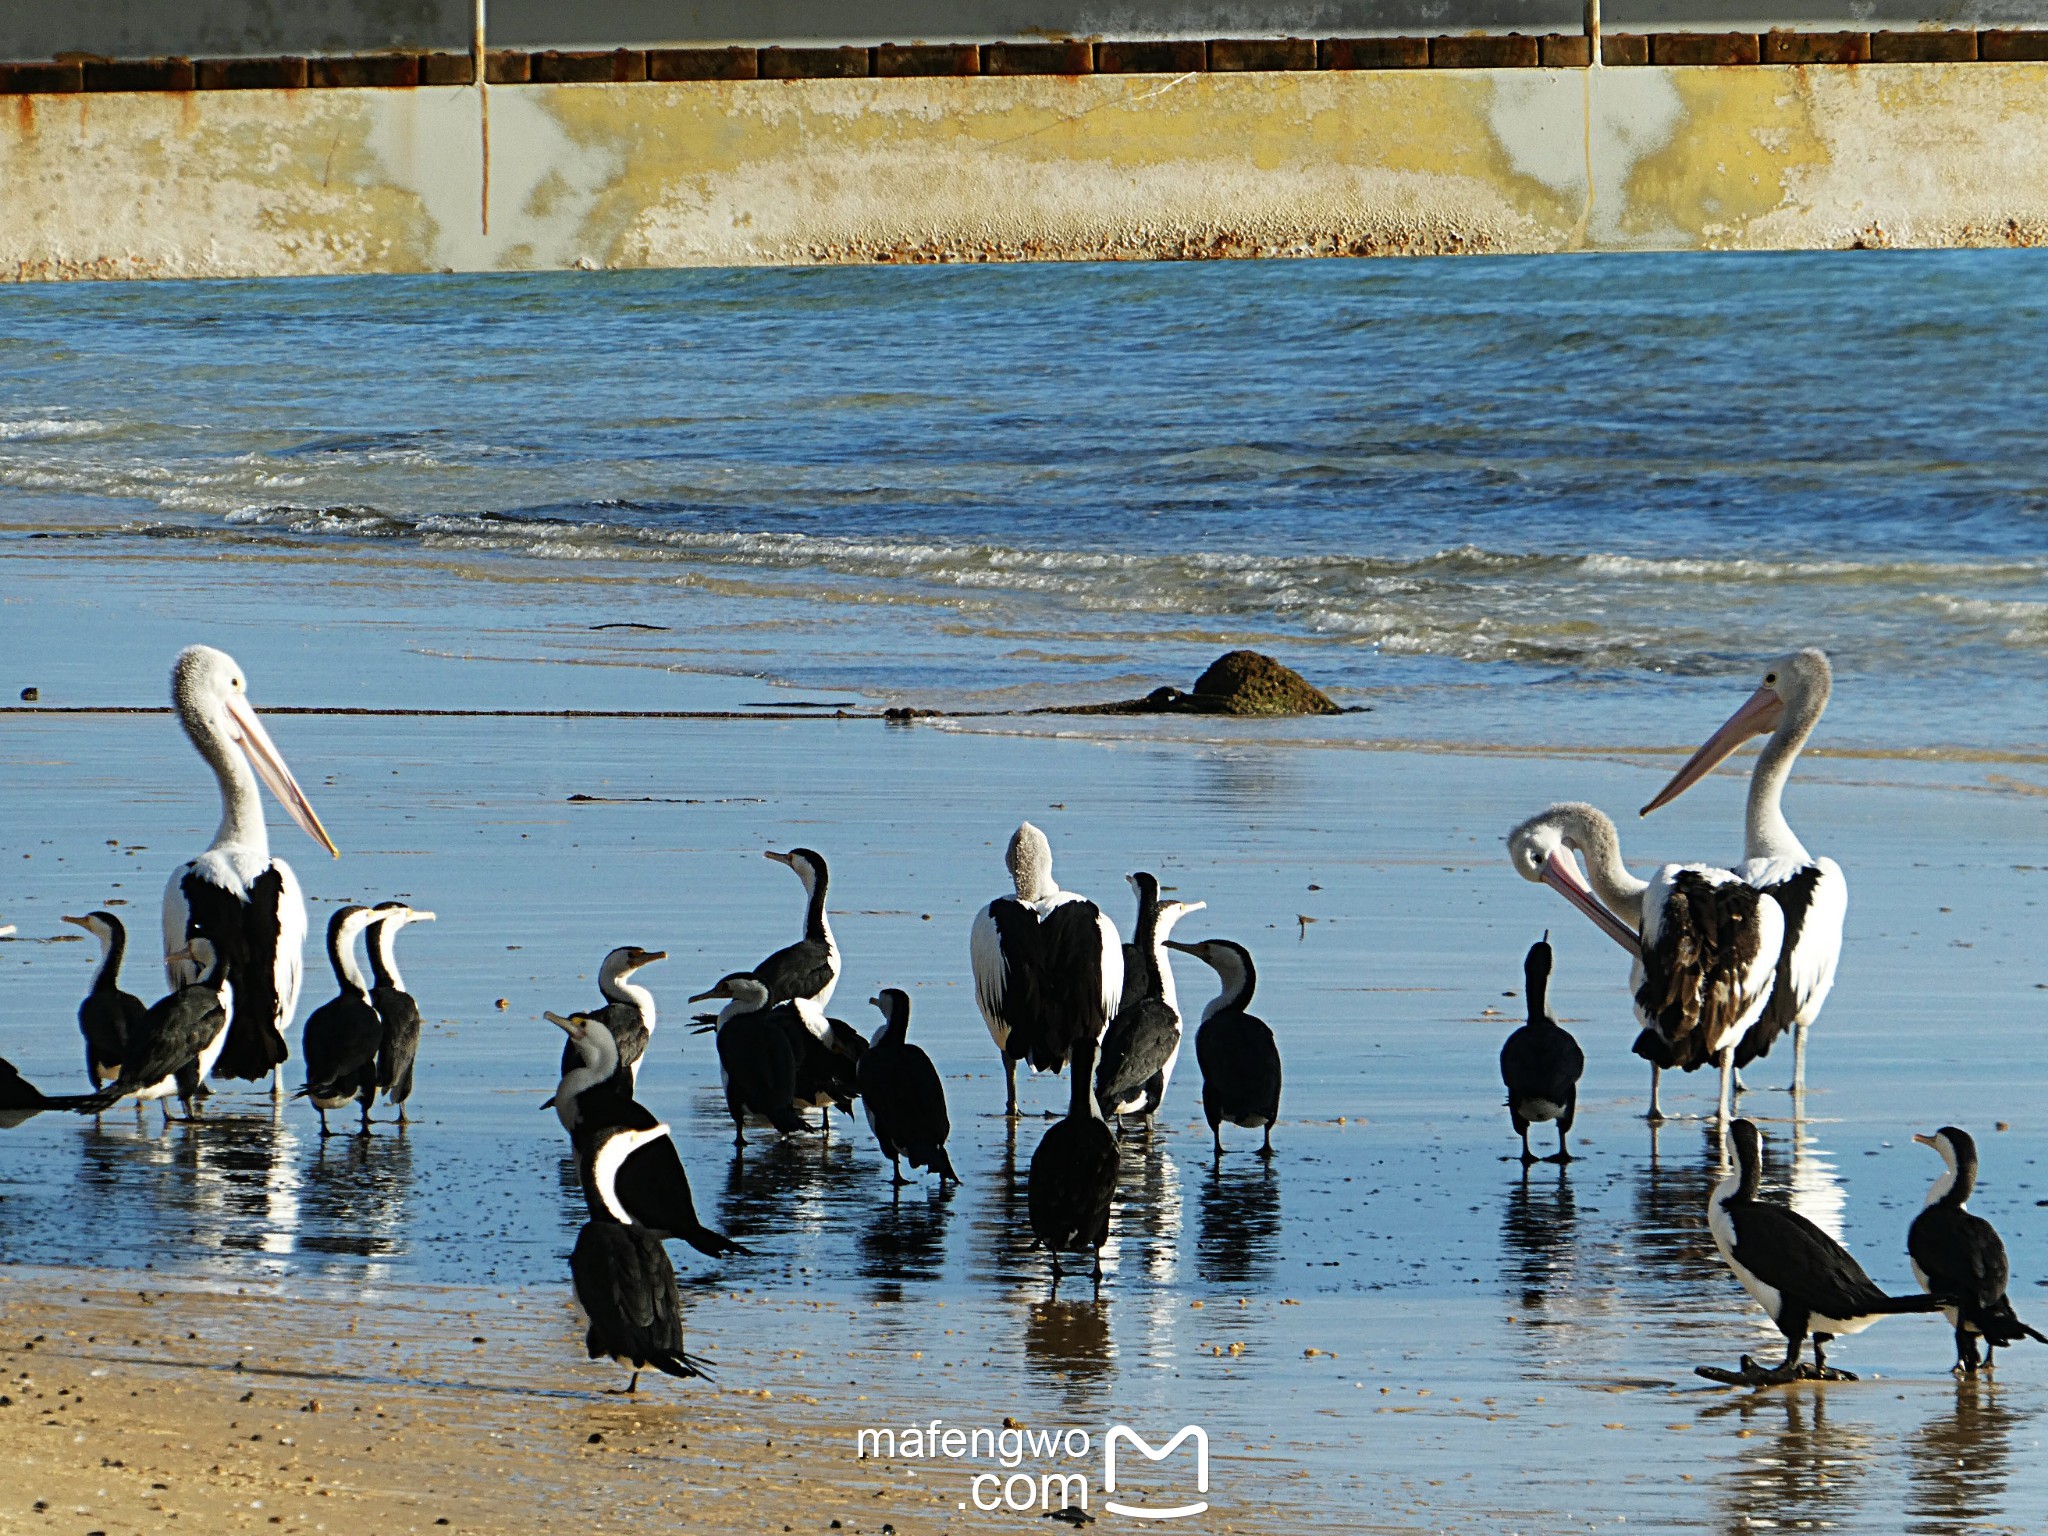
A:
1813,893
1048,965
1708,945
235,893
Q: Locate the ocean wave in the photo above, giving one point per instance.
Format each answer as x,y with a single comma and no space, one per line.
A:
37,429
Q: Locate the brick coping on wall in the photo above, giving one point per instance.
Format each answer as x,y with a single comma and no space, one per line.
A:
890,61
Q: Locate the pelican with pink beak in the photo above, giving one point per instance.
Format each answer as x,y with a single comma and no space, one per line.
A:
1704,944
1812,893
235,893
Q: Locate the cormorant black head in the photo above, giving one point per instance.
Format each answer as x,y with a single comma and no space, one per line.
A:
625,960
808,863
1749,1153
345,921
1536,976
1146,886
895,1005
103,926
1231,962
204,957
1958,1151
742,987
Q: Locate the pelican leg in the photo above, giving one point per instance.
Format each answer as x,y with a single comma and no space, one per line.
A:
1727,1063
1656,1082
1798,1060
277,1083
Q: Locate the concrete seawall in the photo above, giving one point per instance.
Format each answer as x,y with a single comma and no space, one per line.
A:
266,182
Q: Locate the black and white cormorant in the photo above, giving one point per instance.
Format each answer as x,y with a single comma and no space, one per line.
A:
1048,965
626,1159
1541,1063
627,1290
1803,1279
397,1011
244,901
1958,1258
1704,942
1812,892
902,1094
179,1038
1142,1043
21,1099
805,973
108,1016
756,1061
343,1035
1239,1058
628,1010
1073,1173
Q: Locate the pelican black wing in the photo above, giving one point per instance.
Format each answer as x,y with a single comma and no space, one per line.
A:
246,934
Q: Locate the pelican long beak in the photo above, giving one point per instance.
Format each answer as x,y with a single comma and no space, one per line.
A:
1925,1141
1561,874
270,767
1758,717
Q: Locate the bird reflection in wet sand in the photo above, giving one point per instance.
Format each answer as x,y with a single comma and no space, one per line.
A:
1067,1343
1796,1469
793,1185
1538,1237
1960,1463
230,1182
906,1239
355,1196
1003,1249
1673,1250
1237,1241
1148,1208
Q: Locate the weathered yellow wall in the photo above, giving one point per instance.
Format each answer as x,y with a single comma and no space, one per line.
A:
1425,161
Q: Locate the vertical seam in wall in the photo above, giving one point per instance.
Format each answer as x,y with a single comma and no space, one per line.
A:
483,111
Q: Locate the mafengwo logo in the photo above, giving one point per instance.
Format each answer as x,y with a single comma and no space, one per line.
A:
1124,1434
1056,1485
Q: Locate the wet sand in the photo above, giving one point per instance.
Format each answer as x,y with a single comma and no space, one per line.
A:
1389,1328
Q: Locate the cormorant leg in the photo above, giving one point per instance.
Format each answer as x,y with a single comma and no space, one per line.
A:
324,1132
1656,1078
401,1112
1528,1156
1990,1355
1096,1273
1266,1150
896,1170
825,1122
1788,1368
1010,1077
1966,1353
366,1119
1056,1270
739,1134
1821,1368
1216,1131
633,1385
1564,1153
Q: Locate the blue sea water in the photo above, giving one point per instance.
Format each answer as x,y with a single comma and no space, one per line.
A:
1416,479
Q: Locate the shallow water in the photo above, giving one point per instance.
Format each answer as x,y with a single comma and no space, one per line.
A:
1511,1319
